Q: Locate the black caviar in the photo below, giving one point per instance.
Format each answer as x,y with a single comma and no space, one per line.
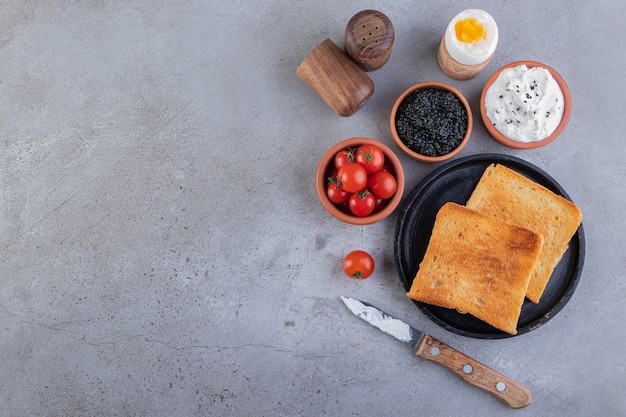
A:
431,121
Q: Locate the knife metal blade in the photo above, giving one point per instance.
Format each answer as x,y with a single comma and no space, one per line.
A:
383,321
427,347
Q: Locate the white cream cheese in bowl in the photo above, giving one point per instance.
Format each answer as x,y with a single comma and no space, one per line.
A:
525,104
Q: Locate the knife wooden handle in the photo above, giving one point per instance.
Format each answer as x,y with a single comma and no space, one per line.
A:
470,370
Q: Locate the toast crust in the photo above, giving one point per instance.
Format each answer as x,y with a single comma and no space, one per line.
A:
477,264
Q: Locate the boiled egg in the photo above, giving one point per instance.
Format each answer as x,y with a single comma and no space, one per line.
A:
471,36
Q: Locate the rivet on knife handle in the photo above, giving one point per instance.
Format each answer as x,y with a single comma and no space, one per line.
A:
470,370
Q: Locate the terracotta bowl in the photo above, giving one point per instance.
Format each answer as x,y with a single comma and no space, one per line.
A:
326,166
500,137
416,155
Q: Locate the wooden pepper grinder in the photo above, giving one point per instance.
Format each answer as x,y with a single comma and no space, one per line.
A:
339,78
338,81
369,39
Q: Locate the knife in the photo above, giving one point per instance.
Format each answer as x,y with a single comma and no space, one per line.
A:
470,370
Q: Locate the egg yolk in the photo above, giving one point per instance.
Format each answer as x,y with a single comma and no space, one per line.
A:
469,30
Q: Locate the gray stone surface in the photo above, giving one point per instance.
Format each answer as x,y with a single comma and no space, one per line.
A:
162,248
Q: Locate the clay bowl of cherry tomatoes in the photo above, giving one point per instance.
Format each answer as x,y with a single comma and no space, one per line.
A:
360,181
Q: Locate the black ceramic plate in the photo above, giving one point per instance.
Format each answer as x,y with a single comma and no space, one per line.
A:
455,181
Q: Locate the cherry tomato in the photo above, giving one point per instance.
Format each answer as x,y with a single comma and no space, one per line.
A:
362,203
344,207
352,177
382,184
335,194
343,157
380,204
358,264
387,168
371,157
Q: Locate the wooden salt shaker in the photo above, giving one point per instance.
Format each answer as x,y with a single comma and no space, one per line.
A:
369,39
338,81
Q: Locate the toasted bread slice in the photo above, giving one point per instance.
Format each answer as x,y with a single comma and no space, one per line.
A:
510,196
477,264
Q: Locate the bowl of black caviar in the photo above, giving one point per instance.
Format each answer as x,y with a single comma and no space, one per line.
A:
431,121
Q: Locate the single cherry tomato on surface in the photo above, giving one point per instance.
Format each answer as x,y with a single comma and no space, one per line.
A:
382,184
358,264
343,157
371,157
335,194
352,177
362,203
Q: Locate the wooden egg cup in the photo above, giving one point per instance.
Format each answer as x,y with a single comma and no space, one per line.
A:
453,68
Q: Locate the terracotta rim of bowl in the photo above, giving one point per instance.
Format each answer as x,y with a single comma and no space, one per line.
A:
499,136
441,86
321,176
